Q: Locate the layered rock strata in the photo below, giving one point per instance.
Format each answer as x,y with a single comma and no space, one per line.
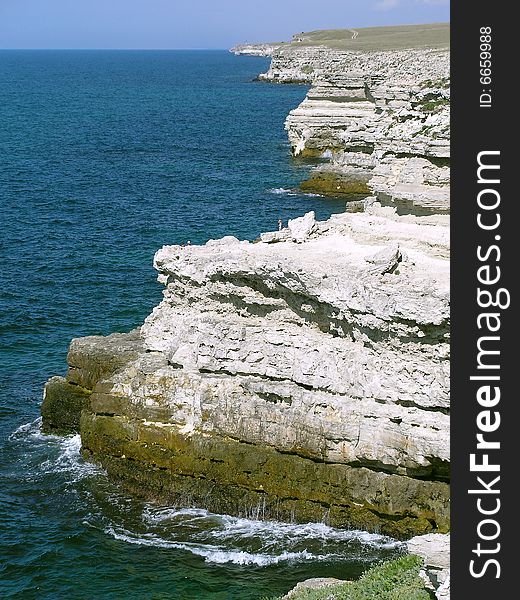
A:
90,359
382,118
301,377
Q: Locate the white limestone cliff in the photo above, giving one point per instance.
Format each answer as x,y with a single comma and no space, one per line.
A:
306,373
337,335
381,117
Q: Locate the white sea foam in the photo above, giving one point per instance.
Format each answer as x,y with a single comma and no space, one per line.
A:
62,452
69,460
261,560
226,539
153,514
225,527
32,429
294,192
214,537
280,191
214,553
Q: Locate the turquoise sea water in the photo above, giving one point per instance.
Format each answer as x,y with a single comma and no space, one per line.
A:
104,157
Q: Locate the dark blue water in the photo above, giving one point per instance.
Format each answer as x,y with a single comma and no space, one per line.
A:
105,157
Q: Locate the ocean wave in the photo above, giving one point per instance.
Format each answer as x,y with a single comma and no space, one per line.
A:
32,429
216,554
225,539
225,527
281,191
55,454
68,460
216,538
159,514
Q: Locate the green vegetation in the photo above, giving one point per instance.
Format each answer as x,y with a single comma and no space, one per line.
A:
433,35
433,105
442,83
392,580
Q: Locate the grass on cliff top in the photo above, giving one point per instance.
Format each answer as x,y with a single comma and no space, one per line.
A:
392,580
398,37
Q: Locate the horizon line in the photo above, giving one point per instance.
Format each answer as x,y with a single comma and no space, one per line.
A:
117,49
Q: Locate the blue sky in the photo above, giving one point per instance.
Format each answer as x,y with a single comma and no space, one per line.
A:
193,23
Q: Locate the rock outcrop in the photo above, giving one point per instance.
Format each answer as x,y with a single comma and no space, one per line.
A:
306,375
381,117
303,376
316,583
434,549
90,359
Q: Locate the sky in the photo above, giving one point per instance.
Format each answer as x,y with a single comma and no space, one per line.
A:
164,24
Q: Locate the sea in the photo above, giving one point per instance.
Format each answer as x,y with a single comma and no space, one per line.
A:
105,156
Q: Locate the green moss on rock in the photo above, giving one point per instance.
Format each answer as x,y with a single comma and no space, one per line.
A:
332,184
224,475
90,359
62,405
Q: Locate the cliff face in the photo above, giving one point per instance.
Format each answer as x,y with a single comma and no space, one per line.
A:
381,117
313,336
303,376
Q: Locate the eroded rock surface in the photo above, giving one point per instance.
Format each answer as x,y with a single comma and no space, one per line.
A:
381,117
306,374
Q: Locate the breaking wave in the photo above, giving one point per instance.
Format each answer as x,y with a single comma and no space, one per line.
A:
216,538
211,553
55,454
224,539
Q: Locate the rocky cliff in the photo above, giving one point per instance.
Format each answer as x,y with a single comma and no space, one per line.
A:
381,117
303,376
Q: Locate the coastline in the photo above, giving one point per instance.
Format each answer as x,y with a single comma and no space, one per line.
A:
223,295
380,118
